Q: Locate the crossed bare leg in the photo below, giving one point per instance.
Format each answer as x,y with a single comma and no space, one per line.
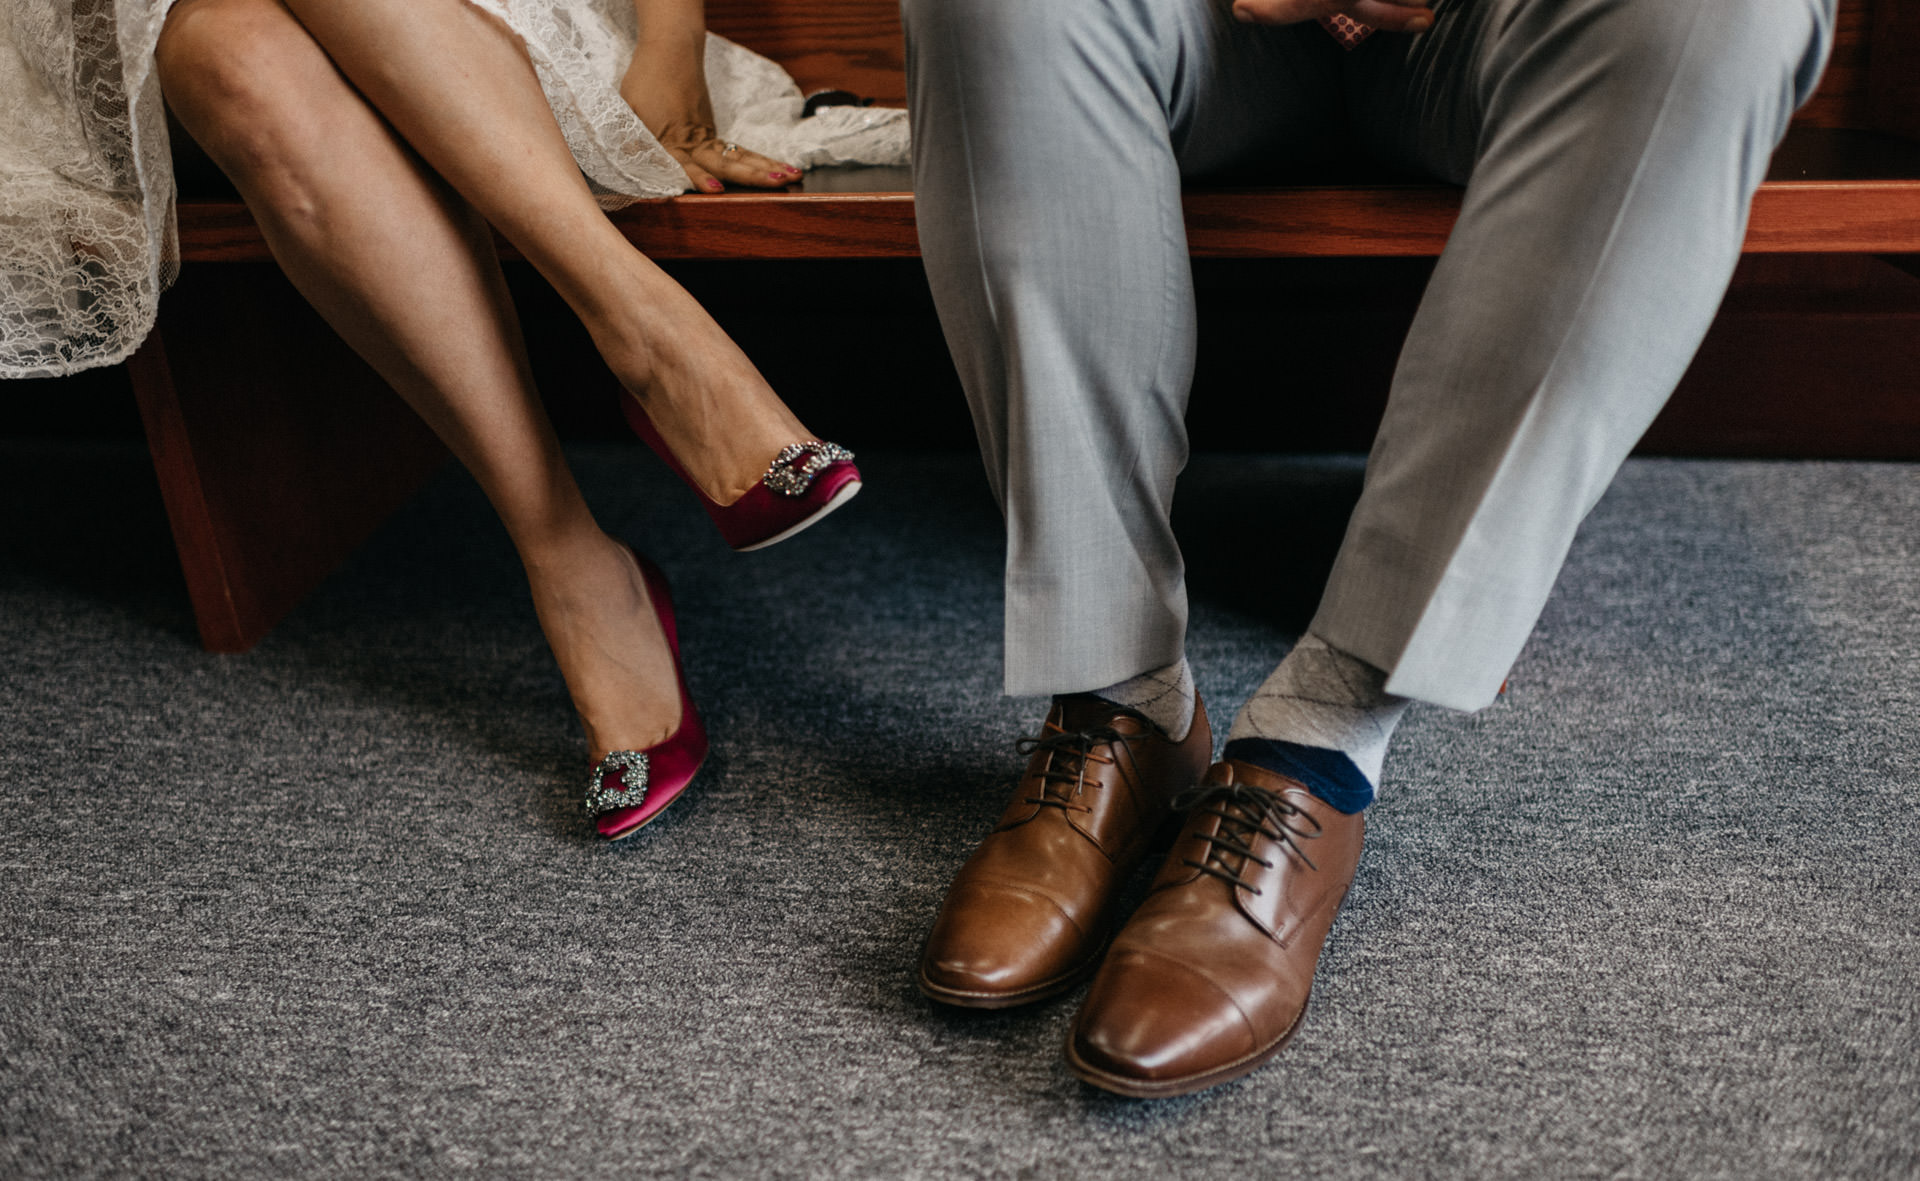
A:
382,223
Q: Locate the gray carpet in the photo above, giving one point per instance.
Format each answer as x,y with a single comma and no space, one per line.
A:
330,908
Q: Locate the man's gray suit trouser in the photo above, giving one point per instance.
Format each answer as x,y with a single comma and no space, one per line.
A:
1609,149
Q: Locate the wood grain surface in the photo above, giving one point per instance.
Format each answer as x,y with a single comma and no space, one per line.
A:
774,225
825,44
1309,222
1877,216
1871,217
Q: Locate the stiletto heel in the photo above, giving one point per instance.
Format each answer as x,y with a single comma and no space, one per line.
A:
805,482
631,787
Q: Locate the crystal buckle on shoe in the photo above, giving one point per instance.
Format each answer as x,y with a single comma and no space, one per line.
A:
789,479
601,798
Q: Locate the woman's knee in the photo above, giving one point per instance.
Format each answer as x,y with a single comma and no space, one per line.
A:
242,76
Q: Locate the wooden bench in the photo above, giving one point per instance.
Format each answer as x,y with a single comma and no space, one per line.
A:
278,451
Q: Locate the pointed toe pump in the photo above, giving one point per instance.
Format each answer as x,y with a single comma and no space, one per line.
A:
631,787
805,482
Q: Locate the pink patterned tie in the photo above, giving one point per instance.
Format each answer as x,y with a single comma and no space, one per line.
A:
1347,31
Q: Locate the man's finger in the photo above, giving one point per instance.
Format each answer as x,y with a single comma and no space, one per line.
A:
1400,16
1279,12
1394,16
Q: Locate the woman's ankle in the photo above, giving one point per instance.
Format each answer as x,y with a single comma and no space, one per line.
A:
708,402
556,558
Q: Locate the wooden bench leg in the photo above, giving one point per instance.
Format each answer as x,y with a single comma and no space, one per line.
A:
277,449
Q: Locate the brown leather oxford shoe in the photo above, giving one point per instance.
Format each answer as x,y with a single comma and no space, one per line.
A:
1029,913
1210,977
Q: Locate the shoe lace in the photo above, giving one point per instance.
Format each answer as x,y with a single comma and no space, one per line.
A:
1245,810
1065,775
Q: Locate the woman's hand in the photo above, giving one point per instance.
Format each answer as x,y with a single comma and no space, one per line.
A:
666,85
1393,16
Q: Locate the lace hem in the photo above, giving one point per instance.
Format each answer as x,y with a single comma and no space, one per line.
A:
87,234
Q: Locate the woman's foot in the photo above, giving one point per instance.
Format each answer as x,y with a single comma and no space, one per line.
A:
710,405
806,482
604,632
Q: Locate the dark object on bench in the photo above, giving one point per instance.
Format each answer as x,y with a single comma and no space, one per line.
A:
278,451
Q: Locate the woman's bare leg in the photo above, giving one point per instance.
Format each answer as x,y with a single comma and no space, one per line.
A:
405,271
459,87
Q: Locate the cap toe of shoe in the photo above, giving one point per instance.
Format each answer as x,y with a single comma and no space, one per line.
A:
1153,1019
998,940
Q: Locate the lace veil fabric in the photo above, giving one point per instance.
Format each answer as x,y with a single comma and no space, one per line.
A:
87,238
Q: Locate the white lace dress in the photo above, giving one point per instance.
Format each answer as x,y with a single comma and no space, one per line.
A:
87,240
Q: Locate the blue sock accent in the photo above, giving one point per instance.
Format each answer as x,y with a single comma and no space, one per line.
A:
1328,774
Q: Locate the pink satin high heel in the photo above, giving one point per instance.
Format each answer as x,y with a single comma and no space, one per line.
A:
805,482
631,787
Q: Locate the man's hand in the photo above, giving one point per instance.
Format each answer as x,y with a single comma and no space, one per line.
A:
1393,16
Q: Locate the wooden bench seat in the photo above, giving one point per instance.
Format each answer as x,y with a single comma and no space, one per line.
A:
1829,191
278,451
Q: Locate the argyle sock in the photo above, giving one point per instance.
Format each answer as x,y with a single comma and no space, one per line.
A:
1323,718
1163,696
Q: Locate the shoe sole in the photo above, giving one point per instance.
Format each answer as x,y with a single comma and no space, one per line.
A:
1167,1088
1009,1000
851,490
624,833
